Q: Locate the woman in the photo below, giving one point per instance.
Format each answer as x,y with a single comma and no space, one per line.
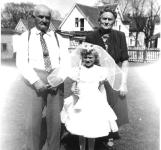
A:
114,42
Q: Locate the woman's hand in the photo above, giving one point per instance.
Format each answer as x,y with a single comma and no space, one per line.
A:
123,90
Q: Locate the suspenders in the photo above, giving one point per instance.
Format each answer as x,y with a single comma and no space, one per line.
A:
29,33
56,37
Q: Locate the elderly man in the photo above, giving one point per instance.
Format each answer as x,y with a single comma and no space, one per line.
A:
39,53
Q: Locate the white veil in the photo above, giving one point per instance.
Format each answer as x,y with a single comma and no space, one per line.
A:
113,73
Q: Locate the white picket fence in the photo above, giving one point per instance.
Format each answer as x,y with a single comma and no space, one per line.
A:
143,55
136,54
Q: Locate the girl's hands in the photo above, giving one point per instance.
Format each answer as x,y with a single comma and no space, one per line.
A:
100,84
75,90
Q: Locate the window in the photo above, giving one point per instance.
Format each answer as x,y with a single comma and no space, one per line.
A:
76,22
82,24
4,47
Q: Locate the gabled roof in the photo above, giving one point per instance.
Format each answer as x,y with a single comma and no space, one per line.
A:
56,23
91,13
27,23
30,23
156,36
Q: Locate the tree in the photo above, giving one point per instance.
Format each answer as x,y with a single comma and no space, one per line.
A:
56,14
13,12
143,15
124,4
138,17
104,2
152,15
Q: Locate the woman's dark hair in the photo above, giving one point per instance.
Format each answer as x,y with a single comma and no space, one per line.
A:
86,52
107,9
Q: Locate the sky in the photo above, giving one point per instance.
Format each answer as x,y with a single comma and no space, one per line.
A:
63,6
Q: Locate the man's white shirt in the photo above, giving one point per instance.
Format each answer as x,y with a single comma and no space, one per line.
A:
30,53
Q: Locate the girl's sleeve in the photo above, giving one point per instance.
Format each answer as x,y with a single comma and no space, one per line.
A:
104,75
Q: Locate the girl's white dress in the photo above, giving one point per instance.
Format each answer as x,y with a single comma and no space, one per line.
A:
91,116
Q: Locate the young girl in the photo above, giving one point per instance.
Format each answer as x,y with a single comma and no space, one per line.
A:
87,113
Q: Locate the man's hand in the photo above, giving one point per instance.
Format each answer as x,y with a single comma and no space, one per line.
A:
51,89
54,82
40,87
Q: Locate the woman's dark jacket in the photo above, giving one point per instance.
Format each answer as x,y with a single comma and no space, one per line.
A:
117,46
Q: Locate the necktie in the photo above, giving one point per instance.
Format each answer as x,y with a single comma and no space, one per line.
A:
46,57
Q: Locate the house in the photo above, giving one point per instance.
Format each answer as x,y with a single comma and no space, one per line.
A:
24,25
155,39
85,18
7,37
140,40
9,42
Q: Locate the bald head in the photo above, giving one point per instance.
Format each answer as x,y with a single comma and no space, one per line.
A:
41,8
42,15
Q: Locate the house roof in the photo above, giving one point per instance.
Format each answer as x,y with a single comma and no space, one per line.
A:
8,31
73,33
155,36
56,23
30,23
91,13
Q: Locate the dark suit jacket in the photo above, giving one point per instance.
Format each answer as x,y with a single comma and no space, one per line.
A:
117,44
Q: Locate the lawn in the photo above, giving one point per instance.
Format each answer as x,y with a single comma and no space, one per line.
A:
142,133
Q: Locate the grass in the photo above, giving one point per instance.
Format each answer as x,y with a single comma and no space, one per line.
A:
142,133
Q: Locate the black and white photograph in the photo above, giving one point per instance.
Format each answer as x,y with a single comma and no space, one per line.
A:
80,75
